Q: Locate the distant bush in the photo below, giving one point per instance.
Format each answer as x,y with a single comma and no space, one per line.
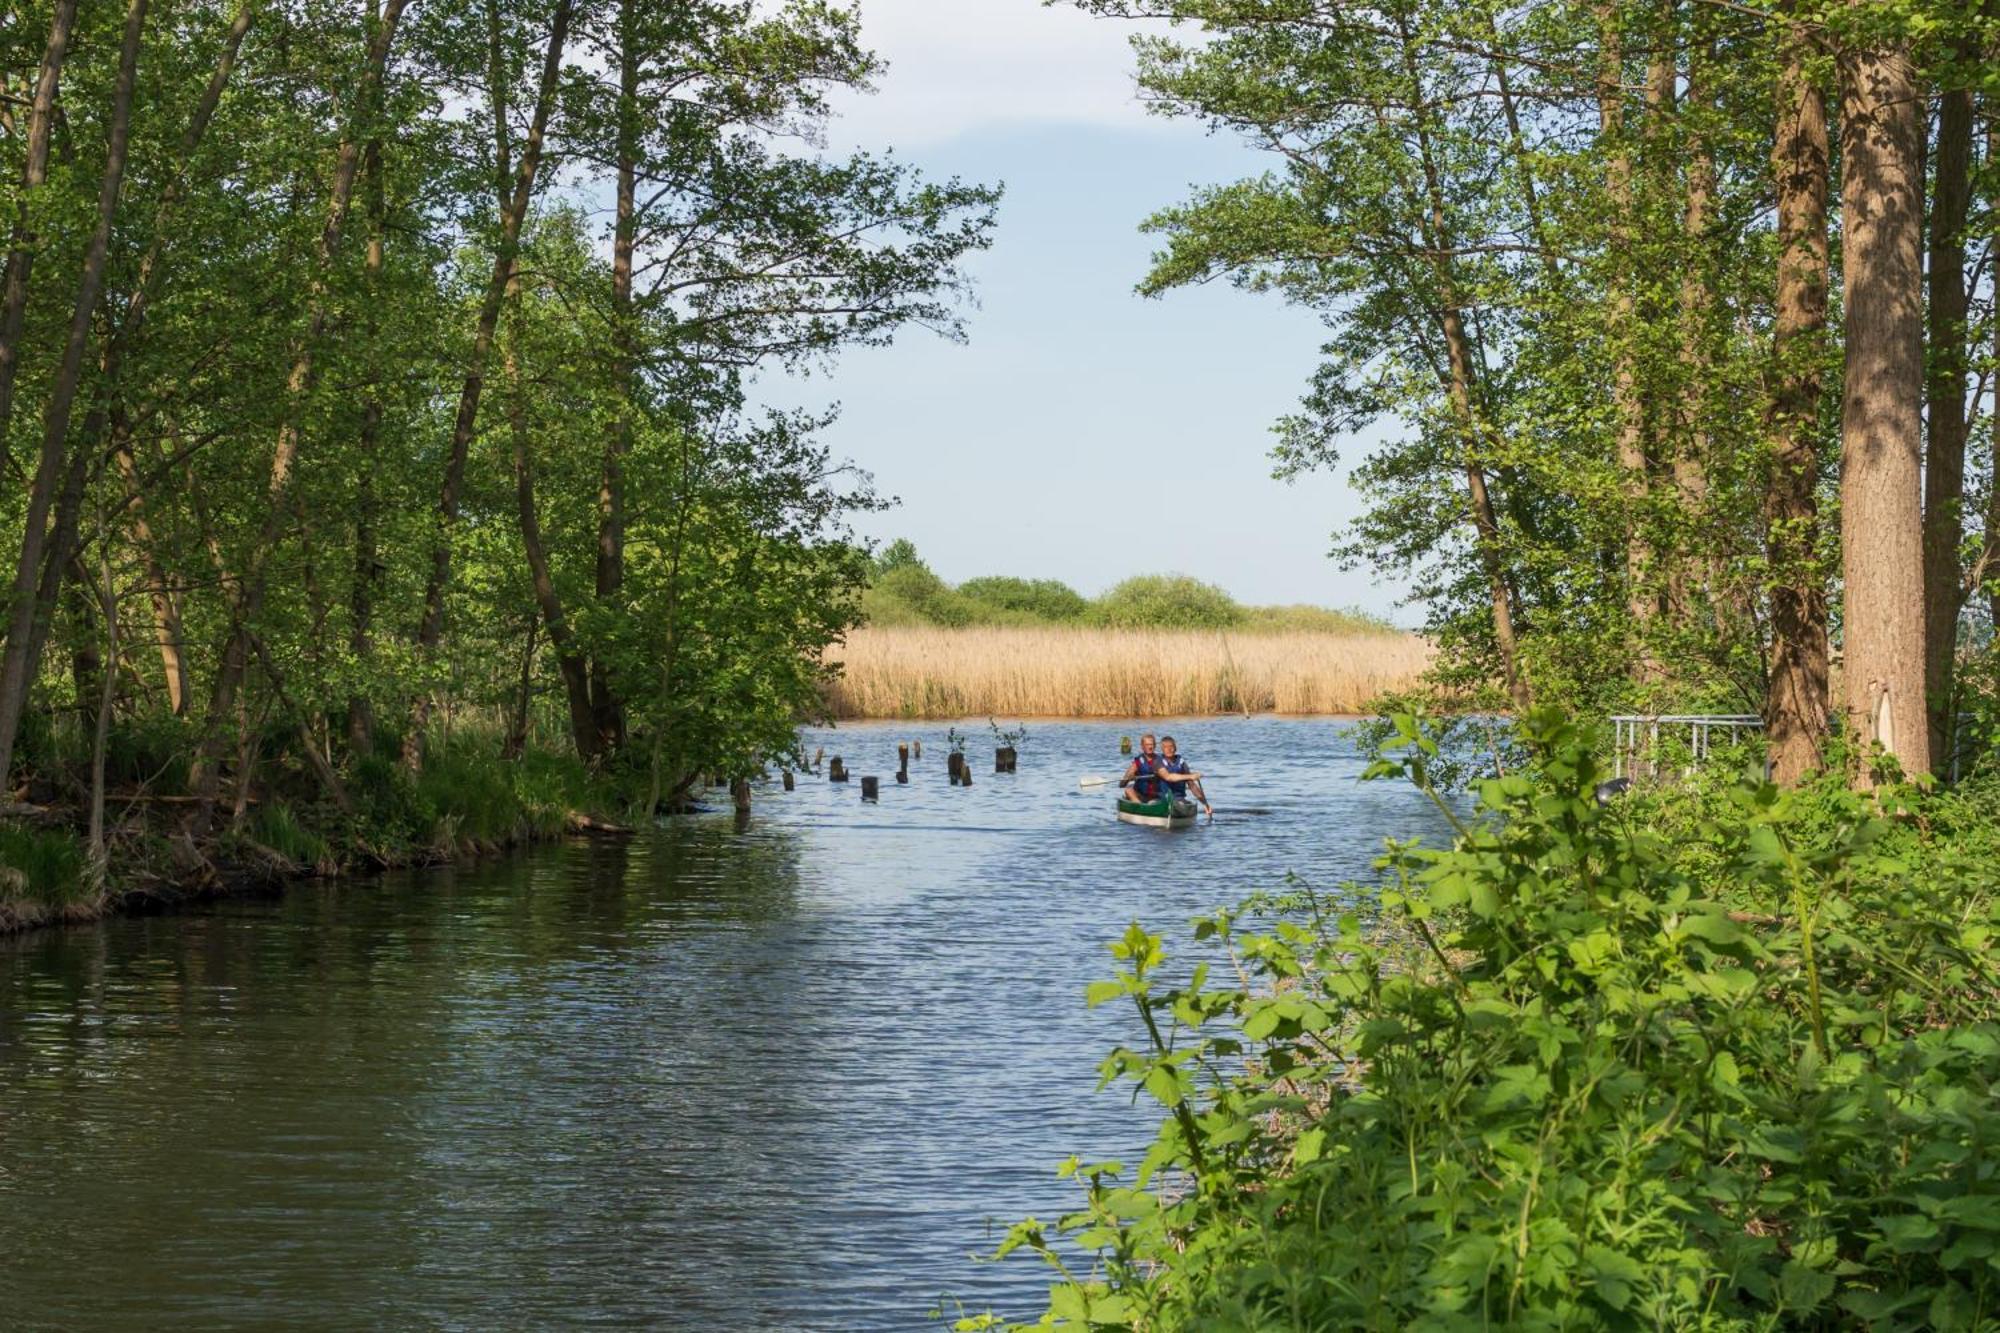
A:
1167,601
1041,600
1314,619
924,594
905,592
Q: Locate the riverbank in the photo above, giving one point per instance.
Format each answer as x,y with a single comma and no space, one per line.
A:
464,805
927,672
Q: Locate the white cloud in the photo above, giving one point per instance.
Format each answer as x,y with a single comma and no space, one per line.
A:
962,65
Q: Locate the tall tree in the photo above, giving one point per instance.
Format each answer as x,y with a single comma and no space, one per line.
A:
1797,705
1882,206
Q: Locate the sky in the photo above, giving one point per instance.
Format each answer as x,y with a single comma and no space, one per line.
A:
1082,432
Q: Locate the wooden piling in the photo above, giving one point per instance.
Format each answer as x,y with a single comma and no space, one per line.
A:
1003,759
739,792
871,789
836,770
954,764
916,749
788,780
903,776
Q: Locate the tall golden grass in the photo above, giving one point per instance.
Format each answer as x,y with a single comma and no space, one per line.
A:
923,671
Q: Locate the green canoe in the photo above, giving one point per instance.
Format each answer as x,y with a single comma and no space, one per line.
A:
1163,813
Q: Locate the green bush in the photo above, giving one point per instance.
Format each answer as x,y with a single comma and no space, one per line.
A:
49,864
1166,601
1038,600
1562,1082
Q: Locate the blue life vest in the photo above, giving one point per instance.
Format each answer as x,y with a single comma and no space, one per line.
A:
1178,764
1143,782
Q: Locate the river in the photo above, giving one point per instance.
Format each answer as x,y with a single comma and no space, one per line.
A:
793,1076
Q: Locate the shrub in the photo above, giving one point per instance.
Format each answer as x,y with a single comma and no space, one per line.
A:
1037,600
1166,601
47,865
1563,1083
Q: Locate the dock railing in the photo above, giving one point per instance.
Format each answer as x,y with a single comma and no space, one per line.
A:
1636,737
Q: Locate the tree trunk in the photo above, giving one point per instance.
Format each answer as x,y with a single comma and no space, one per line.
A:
1797,709
236,651
1882,192
1642,603
1695,575
367,560
517,727
575,674
18,662
1944,462
606,707
34,172
1993,490
431,629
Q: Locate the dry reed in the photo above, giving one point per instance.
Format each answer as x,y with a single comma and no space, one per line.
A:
912,671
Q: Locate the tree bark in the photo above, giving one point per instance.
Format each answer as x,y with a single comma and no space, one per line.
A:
34,172
1797,707
1695,579
1944,462
18,661
1642,603
1993,489
1882,191
431,629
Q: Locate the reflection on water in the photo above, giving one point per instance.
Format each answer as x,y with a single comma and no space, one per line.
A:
788,1077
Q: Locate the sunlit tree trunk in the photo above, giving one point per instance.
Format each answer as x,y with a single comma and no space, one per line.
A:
1797,709
18,661
1882,189
34,173
1628,411
1944,461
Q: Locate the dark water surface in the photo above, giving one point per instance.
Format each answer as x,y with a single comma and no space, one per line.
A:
789,1078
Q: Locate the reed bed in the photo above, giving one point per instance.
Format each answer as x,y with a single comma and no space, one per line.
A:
928,672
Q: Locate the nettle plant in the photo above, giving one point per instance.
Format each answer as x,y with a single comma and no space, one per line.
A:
1559,1081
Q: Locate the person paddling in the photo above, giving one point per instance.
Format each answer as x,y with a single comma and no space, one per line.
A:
1173,768
1141,777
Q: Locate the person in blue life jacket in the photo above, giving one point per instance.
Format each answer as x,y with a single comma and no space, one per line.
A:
1142,776
1174,769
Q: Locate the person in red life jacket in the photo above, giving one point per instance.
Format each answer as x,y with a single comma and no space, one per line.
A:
1172,768
1141,778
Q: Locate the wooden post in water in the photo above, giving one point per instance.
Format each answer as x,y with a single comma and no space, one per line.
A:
818,755
739,792
836,771
954,764
965,775
1003,759
788,780
871,789
902,763
917,750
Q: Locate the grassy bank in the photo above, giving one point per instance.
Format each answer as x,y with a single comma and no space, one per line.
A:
914,671
465,802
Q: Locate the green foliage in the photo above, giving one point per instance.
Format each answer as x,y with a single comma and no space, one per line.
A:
43,865
1166,601
1043,601
277,827
1572,1077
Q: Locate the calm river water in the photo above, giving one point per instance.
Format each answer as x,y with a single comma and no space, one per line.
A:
793,1077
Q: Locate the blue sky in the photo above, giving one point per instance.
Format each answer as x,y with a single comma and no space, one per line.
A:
1082,433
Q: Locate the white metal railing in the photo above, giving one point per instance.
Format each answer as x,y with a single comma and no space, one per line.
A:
1628,729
